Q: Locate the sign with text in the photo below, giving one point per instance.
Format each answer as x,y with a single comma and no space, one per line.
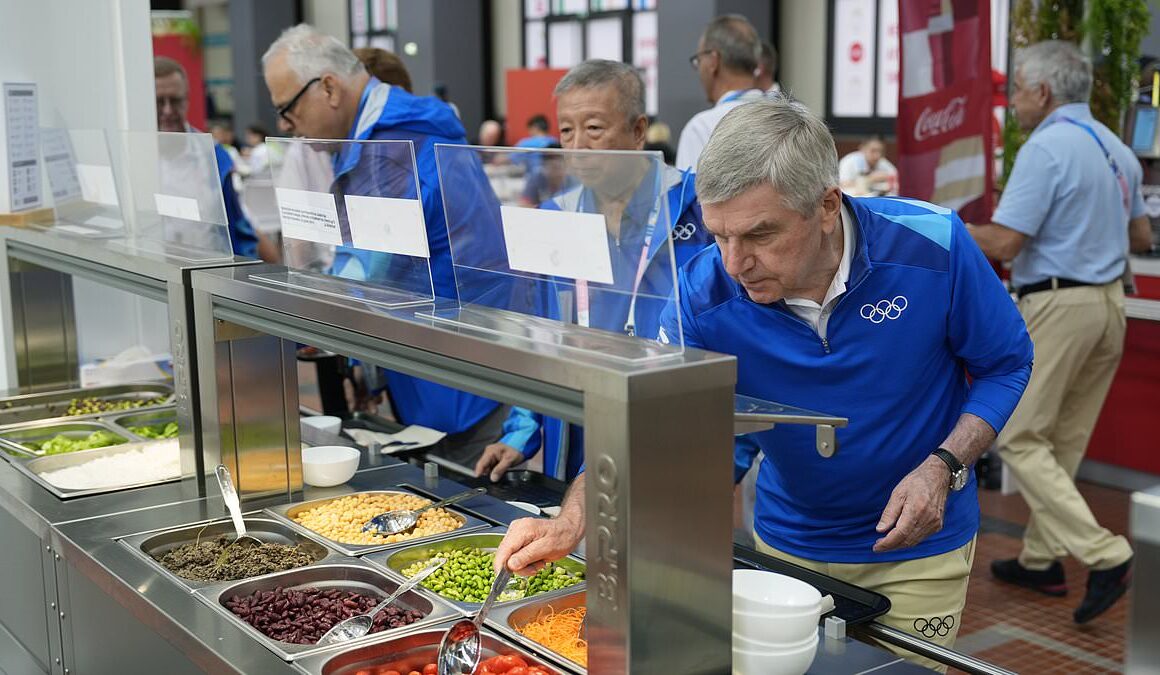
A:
944,109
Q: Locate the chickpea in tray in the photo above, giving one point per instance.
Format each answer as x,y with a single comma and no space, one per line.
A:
342,519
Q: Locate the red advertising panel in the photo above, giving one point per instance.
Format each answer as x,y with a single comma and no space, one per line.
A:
944,108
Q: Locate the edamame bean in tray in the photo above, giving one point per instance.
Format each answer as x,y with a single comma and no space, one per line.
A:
468,574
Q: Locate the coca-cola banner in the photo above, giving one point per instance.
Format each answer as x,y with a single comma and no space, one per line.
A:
944,106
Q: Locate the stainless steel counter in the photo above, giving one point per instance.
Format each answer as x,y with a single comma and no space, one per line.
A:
112,604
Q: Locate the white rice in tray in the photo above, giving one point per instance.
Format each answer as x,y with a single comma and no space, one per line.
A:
136,463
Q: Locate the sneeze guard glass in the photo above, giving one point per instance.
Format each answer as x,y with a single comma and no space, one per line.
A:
570,248
352,221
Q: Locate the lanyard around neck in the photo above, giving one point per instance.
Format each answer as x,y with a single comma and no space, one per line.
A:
1121,179
583,304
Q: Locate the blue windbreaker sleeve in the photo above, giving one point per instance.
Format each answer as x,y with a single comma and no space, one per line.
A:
745,449
986,333
242,237
521,430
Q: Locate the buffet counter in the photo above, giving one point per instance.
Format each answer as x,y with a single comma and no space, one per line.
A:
116,612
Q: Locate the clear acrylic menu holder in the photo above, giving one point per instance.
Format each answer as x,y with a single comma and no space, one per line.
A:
174,189
352,221
81,178
568,248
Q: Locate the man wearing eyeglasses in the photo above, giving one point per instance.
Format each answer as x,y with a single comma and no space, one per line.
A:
322,91
172,89
726,62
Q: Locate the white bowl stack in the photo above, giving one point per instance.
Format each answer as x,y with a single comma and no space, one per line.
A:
329,465
775,623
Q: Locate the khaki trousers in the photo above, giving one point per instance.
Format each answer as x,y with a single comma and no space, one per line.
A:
927,595
1079,337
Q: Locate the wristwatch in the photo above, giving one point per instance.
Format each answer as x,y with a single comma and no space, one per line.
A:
959,473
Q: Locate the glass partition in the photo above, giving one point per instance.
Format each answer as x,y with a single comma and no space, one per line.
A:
173,189
573,248
82,182
352,220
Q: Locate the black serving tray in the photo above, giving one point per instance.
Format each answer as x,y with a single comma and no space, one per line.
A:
852,604
532,487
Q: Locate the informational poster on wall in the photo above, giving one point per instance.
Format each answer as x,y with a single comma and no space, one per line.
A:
888,58
644,55
944,117
22,147
852,86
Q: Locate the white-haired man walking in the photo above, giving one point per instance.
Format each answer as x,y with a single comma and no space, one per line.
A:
1068,214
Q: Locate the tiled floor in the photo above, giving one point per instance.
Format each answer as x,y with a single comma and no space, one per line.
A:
1027,632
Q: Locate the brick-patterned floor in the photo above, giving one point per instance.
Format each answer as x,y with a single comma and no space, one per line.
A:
1027,632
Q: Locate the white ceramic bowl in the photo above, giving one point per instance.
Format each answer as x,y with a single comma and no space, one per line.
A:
326,423
755,645
328,465
789,662
776,629
769,593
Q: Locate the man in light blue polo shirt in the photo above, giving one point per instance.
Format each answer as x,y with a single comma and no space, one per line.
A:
1065,218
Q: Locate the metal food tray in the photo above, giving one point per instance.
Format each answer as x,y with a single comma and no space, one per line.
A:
507,621
13,438
852,604
349,574
151,546
32,468
412,650
532,487
33,407
287,512
396,561
151,416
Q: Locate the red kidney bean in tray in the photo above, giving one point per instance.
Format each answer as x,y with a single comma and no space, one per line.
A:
302,615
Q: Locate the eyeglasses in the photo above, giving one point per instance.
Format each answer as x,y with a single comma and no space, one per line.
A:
695,59
284,111
174,102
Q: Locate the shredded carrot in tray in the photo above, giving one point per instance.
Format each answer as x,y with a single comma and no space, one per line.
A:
560,632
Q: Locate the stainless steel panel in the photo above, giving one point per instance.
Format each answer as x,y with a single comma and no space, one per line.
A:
658,515
33,468
259,432
412,651
1144,619
152,546
104,636
288,512
23,613
396,561
508,620
55,404
350,575
17,437
42,307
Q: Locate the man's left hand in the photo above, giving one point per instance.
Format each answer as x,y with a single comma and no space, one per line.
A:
916,507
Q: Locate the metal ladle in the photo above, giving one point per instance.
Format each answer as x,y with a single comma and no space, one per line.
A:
401,520
459,651
230,497
360,625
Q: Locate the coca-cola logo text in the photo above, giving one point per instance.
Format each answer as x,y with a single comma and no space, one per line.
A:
933,123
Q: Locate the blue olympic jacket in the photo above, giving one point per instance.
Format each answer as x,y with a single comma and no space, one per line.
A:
390,113
923,311
242,238
563,443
